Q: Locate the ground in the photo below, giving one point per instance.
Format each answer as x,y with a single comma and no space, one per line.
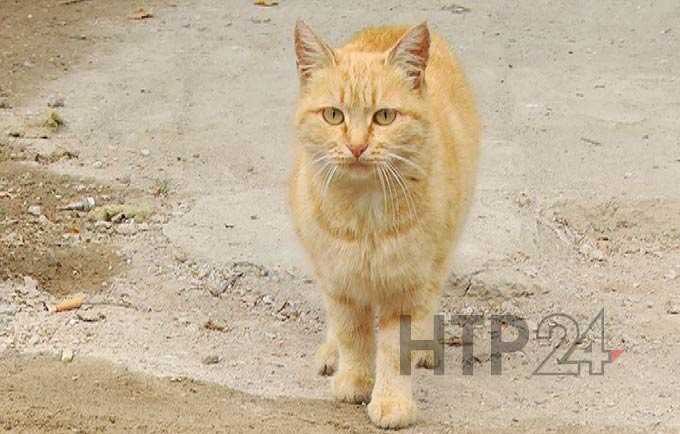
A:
198,300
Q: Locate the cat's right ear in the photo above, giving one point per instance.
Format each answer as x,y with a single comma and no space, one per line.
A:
312,53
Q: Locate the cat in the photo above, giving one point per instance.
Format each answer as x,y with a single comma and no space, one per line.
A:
387,139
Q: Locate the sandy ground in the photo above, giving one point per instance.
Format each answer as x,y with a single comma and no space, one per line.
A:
189,113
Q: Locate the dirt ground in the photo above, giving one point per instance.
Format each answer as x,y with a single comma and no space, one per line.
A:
201,315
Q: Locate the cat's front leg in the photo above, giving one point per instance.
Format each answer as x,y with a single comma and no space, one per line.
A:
351,326
392,404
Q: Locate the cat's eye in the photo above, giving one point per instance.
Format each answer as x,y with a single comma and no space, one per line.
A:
384,116
333,115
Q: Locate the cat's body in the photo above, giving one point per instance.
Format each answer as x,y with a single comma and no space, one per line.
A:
379,197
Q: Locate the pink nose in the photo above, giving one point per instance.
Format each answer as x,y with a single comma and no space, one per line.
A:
357,150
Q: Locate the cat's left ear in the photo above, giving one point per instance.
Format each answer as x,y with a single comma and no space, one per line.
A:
312,52
411,53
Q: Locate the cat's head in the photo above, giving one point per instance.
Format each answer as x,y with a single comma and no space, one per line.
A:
361,112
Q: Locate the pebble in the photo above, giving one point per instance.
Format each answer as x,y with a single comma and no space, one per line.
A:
55,101
145,152
181,257
98,165
4,104
67,355
35,210
127,229
211,360
103,225
30,284
89,316
592,252
673,308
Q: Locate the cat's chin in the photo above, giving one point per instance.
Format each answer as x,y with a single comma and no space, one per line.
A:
357,170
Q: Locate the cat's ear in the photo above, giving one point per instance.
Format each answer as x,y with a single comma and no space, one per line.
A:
411,53
312,53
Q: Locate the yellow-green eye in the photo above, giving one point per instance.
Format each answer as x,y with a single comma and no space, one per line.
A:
333,115
384,116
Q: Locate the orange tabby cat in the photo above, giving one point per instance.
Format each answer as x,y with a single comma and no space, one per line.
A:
387,143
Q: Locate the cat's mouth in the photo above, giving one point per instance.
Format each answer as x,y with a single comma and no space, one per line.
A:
358,166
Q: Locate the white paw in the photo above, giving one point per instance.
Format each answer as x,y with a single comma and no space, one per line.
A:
352,386
392,412
327,358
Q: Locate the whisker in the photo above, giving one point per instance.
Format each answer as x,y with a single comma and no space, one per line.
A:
392,194
328,181
382,186
407,161
320,172
321,158
404,188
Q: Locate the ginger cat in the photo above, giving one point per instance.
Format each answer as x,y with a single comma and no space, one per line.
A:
386,154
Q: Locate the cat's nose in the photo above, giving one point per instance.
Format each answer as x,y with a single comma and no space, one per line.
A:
357,150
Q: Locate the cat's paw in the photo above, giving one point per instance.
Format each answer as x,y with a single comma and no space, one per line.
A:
327,358
353,387
392,411
426,359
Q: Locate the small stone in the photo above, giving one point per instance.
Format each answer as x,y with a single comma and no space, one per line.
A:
103,225
30,284
55,101
673,308
592,252
211,360
89,316
67,355
4,104
216,325
455,9
35,210
43,220
14,132
84,204
98,165
127,229
523,200
145,152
